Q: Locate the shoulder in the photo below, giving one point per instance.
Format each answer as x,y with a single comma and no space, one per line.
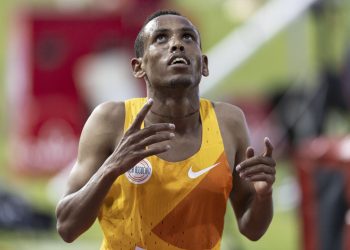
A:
233,128
108,113
109,110
228,114
106,121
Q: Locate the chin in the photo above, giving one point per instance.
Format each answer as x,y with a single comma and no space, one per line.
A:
181,82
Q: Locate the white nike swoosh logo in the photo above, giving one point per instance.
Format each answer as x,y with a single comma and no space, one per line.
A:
194,175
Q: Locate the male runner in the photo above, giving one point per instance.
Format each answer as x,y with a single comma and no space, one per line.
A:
157,171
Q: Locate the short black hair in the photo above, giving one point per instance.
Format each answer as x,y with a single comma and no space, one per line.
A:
139,41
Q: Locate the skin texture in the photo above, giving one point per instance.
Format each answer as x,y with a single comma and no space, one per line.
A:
172,123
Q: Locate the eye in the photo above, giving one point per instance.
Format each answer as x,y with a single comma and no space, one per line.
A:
160,38
188,37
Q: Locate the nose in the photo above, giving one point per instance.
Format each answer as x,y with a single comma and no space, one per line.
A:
177,47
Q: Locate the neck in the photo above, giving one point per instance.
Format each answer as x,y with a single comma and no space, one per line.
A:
169,117
181,109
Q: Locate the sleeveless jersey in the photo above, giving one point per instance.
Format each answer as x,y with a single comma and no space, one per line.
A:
170,205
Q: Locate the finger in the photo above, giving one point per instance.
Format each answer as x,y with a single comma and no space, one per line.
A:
149,131
256,170
249,152
269,147
140,117
152,151
255,161
156,128
261,177
160,137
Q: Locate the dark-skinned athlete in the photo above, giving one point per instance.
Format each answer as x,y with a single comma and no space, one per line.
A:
158,171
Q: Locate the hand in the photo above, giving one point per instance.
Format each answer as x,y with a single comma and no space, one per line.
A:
260,170
132,148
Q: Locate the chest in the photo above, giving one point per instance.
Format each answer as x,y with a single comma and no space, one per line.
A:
182,146
199,179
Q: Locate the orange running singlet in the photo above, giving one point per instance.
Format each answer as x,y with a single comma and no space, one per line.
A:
170,205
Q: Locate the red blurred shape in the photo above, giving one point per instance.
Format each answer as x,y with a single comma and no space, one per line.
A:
47,111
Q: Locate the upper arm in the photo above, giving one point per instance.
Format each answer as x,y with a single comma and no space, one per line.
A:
235,134
101,132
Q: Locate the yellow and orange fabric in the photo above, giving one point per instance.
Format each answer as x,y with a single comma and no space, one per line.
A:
170,205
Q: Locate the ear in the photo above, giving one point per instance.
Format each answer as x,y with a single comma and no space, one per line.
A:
205,69
136,68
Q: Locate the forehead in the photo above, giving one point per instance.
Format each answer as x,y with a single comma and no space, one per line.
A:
168,22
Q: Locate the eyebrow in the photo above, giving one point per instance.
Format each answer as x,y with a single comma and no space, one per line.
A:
157,31
193,31
185,29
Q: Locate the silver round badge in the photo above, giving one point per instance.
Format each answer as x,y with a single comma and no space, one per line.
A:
140,173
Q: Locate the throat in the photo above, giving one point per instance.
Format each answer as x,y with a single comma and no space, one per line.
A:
188,123
183,146
183,111
169,116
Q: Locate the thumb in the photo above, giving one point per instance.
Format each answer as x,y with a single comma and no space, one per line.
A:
269,147
249,153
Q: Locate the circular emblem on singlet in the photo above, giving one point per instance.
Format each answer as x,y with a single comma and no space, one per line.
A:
140,173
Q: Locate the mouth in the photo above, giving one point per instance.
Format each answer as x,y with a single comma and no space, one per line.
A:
179,60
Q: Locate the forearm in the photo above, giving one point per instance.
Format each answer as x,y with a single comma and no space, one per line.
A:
76,212
257,217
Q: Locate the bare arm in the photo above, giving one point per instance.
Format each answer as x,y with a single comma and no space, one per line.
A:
253,176
100,163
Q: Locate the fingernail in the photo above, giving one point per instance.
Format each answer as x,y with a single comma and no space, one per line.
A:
150,100
167,147
171,135
172,126
238,167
